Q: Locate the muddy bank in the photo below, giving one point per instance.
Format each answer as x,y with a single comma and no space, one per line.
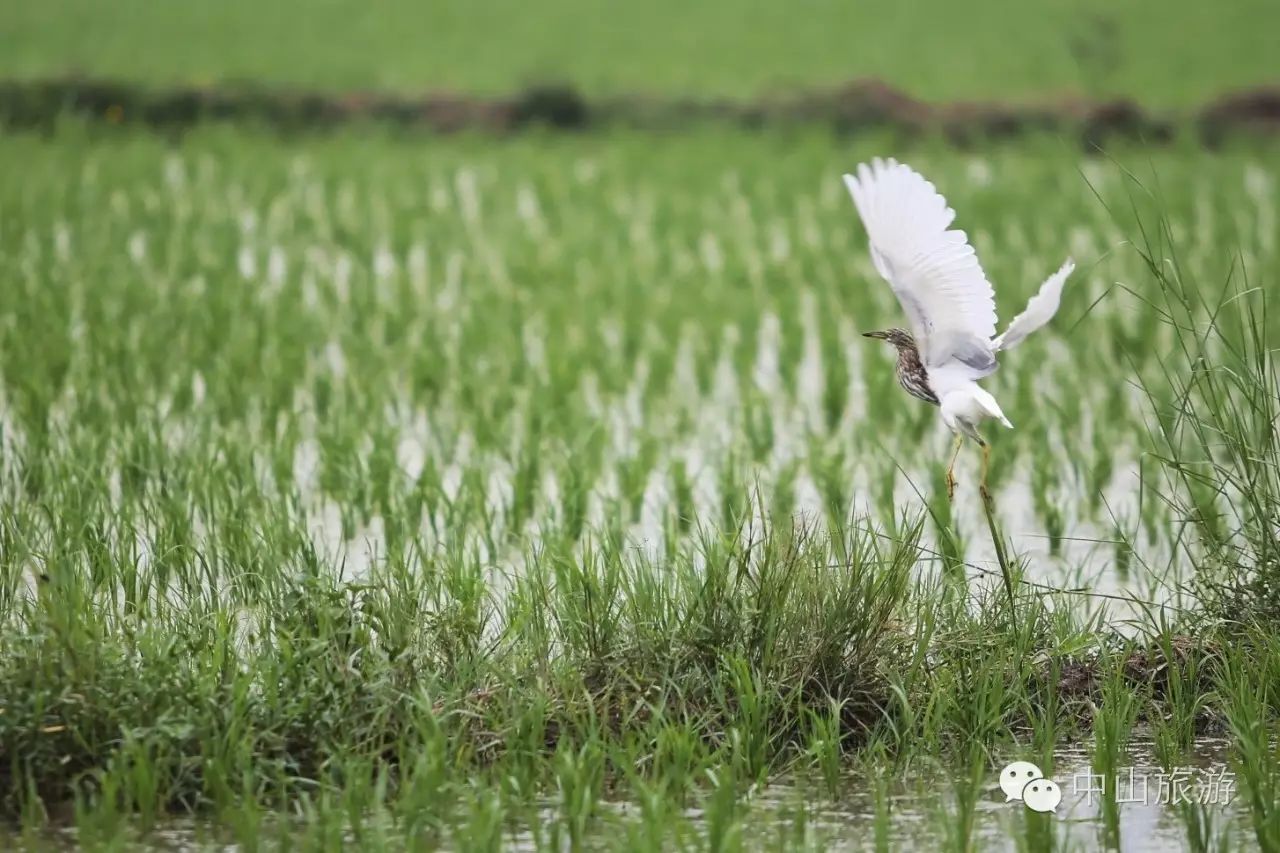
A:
857,106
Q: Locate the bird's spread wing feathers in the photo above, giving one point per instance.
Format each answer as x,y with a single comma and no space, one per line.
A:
1039,310
933,270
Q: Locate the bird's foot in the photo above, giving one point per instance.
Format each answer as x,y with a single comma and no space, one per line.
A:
951,485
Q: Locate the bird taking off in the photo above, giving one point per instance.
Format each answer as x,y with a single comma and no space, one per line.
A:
949,303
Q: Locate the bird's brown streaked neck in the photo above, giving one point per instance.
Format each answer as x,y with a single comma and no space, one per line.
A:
912,376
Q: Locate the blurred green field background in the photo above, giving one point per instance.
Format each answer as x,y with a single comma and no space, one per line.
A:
1166,54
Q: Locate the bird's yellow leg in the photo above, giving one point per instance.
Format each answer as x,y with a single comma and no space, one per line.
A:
951,469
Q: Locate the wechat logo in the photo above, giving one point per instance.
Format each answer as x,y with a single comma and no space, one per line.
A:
1024,781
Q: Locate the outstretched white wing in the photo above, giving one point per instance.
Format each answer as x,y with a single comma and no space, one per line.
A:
933,271
1040,309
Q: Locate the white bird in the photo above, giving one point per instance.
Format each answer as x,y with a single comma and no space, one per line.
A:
949,303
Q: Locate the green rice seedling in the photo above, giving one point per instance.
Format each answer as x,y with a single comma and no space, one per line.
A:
951,550
1203,833
579,777
97,815
656,823
1179,667
960,831
797,830
247,824
480,827
1113,721
586,604
825,747
678,756
1047,508
1123,538
32,817
142,768
883,818
1245,681
722,811
749,735
1038,832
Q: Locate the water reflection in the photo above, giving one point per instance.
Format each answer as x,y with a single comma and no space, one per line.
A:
919,811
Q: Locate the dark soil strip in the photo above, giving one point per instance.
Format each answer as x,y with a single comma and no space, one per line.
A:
850,108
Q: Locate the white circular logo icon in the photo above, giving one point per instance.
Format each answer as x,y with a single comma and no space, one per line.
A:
1015,777
1042,795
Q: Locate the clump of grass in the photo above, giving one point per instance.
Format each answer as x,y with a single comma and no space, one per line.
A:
1216,401
693,661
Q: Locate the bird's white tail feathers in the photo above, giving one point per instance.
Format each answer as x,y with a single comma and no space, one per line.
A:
991,407
965,406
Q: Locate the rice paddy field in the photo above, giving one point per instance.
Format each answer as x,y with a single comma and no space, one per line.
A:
540,492
368,488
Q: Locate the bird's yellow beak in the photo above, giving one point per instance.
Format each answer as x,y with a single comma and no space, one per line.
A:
879,335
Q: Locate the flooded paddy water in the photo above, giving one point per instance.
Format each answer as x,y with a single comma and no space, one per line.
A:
1154,808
